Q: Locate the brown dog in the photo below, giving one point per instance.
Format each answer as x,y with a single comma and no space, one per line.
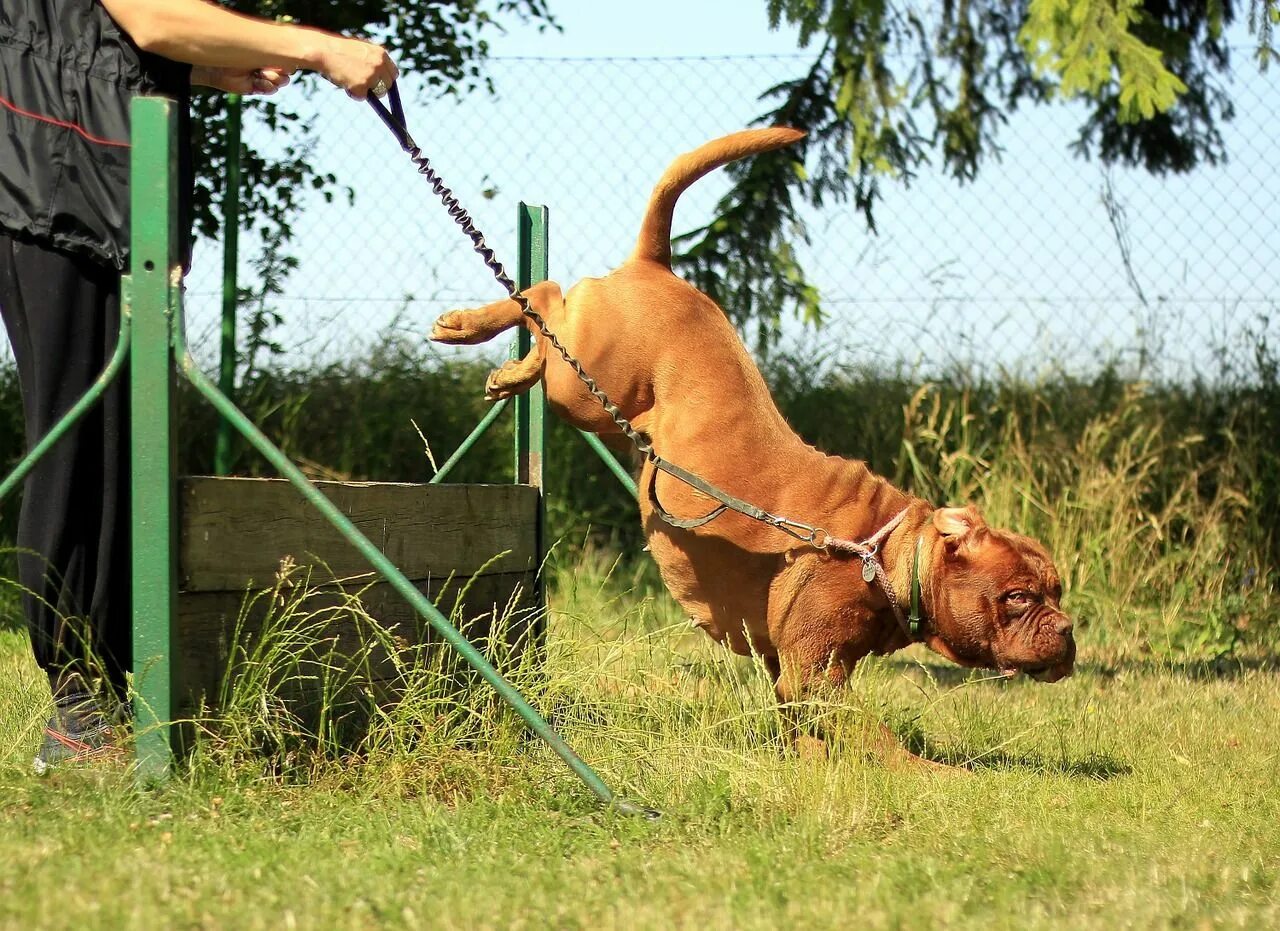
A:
668,357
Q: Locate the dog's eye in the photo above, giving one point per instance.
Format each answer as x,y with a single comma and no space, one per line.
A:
1019,598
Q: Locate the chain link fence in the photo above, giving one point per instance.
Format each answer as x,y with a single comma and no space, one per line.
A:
1047,263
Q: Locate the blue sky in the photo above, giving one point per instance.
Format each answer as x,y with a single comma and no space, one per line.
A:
609,28
1019,269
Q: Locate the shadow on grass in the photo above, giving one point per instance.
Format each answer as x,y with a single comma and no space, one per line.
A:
1225,667
973,757
577,711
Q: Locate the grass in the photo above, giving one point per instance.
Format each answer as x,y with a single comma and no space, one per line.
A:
1139,793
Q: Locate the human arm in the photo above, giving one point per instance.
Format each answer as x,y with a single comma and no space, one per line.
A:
216,40
265,81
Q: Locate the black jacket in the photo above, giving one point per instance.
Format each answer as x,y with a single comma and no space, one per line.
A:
67,74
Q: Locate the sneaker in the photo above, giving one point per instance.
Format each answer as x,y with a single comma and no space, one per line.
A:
80,731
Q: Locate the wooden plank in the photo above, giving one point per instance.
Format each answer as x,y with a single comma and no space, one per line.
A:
236,531
219,628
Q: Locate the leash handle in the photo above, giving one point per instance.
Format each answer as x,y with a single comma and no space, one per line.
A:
393,117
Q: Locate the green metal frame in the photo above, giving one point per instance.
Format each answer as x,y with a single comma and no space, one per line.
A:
532,224
620,473
153,339
151,295
230,289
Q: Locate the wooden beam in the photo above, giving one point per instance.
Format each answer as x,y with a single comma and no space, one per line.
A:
236,532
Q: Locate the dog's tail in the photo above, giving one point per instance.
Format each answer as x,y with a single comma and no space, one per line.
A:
654,242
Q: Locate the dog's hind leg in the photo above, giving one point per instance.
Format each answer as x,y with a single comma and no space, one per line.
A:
481,324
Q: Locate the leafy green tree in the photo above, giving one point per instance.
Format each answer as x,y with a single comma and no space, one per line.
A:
442,41
896,85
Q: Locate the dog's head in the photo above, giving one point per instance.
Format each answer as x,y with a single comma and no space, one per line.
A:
993,599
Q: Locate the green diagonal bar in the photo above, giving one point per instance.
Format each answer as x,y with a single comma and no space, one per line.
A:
472,438
71,417
612,462
406,589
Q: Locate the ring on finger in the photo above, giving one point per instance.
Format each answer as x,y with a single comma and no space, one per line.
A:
380,89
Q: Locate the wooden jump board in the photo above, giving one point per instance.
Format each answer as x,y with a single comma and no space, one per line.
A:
241,537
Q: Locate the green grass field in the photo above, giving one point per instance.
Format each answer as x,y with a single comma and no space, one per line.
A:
1140,793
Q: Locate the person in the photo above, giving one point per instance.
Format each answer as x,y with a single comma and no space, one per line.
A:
68,70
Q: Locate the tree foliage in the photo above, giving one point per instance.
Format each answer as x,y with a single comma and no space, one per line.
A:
894,86
441,41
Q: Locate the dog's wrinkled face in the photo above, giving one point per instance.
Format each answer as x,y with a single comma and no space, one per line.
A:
995,600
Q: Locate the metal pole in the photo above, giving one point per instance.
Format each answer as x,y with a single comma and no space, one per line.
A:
472,438
531,268
531,408
230,291
621,474
152,295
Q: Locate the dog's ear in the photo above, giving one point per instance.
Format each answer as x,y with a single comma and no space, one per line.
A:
958,526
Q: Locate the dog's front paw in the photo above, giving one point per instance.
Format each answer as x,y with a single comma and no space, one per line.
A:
495,392
452,328
515,376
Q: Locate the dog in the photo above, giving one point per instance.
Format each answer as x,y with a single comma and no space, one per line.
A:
673,364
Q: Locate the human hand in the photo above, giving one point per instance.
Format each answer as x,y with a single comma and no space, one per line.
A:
357,66
264,81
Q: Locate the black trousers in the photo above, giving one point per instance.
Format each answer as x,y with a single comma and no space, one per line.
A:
62,314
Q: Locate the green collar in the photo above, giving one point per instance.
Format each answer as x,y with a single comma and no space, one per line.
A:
916,619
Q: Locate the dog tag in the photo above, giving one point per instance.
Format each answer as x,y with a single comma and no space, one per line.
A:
868,571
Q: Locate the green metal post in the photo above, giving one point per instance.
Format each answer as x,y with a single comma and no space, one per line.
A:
531,408
152,296
531,268
230,292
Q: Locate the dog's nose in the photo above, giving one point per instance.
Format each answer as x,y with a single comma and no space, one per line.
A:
1064,625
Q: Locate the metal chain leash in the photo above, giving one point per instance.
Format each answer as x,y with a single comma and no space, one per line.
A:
817,537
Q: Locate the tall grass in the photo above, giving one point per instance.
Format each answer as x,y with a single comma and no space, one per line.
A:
645,697
1149,529
621,672
313,679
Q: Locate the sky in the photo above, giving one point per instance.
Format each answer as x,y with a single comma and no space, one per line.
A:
612,28
1018,268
